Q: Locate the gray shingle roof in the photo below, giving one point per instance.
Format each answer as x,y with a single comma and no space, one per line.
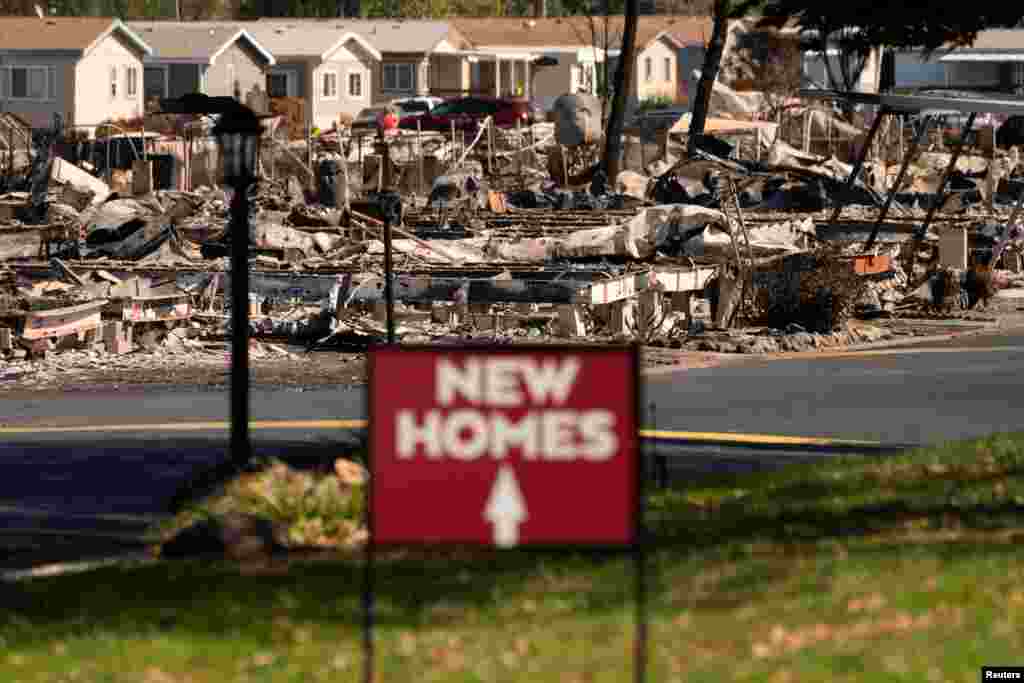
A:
186,40
385,35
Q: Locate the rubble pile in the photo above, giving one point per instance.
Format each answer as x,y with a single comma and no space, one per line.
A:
492,243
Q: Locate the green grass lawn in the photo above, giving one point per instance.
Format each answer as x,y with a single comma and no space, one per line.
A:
899,569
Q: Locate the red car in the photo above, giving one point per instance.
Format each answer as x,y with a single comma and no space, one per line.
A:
468,112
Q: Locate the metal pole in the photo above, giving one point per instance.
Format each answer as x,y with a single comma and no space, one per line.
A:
419,150
899,181
945,174
240,447
858,166
391,208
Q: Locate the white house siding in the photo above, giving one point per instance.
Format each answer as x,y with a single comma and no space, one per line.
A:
912,72
57,98
658,85
238,65
347,60
93,101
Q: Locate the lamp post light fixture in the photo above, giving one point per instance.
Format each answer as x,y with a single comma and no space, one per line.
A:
238,136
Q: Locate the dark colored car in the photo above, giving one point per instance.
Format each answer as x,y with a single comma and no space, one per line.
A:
1011,132
467,113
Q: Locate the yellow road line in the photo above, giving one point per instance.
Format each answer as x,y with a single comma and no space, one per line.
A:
752,439
657,434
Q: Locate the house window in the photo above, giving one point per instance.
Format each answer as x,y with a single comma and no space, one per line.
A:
131,82
154,82
648,69
277,85
113,82
329,85
36,83
398,77
281,84
668,68
355,85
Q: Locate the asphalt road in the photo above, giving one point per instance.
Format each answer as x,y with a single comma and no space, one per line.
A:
958,389
107,484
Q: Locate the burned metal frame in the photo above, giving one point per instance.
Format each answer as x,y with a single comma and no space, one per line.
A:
910,104
891,195
940,192
859,165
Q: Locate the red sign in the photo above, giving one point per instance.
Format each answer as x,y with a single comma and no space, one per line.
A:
505,447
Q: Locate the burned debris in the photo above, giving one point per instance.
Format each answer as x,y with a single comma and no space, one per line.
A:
504,234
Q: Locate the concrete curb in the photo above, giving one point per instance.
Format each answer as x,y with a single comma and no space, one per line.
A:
830,352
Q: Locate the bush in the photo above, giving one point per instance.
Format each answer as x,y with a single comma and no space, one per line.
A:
323,510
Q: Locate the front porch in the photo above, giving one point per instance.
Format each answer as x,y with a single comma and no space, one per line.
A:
483,73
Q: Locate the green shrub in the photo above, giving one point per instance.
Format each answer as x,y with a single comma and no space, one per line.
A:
317,509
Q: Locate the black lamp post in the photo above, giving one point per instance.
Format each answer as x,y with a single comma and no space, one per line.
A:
238,136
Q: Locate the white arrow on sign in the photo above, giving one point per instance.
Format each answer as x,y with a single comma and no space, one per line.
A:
506,508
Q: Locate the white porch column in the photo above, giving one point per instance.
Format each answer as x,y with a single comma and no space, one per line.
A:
497,77
527,86
423,77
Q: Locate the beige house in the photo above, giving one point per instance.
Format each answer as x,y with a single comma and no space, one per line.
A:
669,48
416,57
86,69
215,59
506,51
657,72
330,68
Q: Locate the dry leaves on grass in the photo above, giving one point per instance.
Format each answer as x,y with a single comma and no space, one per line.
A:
785,641
868,603
406,644
155,675
450,655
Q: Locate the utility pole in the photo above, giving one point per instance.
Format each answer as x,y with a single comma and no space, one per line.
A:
623,88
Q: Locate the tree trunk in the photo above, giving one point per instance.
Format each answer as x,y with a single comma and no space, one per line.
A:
708,75
623,86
